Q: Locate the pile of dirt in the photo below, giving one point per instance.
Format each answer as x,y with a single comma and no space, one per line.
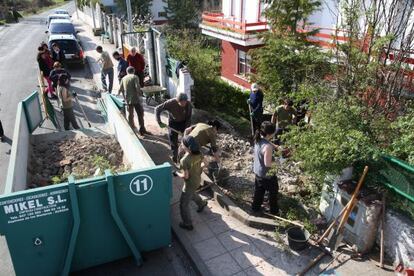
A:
54,161
237,177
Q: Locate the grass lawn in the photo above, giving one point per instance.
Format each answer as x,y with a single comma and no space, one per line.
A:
33,10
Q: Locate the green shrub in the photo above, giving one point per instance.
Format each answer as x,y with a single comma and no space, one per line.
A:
340,135
402,145
203,57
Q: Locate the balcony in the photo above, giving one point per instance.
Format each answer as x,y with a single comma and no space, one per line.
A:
232,29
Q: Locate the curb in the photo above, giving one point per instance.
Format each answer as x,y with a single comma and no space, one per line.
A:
193,256
236,212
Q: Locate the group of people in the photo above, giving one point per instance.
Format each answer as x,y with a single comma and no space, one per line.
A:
189,154
265,132
134,60
51,65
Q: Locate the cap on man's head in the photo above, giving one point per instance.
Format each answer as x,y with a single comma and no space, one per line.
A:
182,97
254,87
191,144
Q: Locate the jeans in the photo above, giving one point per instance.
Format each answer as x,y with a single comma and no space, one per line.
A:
173,137
185,200
69,118
140,112
110,73
257,121
261,186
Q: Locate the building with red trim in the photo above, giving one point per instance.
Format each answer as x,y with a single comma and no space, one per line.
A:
238,26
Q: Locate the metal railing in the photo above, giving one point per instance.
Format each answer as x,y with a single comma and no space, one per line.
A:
218,20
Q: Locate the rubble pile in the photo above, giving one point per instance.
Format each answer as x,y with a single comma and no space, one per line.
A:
53,161
237,161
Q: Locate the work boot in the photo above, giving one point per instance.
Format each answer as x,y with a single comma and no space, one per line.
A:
143,131
185,226
201,208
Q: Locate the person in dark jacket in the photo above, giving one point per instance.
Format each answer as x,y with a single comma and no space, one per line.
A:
57,54
137,61
255,102
57,72
45,71
122,65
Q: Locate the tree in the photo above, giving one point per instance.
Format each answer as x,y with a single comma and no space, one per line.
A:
140,8
288,59
181,13
372,62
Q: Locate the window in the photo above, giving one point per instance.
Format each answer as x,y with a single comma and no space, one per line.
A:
162,14
244,61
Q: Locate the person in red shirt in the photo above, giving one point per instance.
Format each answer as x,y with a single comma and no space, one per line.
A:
137,61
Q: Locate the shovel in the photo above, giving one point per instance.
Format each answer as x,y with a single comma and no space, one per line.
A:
337,235
83,111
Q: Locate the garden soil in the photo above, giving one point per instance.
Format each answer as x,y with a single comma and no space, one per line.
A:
52,162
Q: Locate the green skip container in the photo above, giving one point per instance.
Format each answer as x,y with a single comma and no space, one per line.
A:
70,226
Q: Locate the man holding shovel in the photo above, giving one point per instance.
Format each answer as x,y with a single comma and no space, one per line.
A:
179,118
255,103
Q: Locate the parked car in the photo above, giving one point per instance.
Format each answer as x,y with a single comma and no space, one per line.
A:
70,47
61,26
56,16
61,11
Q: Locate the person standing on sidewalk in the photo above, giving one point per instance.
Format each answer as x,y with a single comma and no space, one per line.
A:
137,61
1,132
263,159
107,69
57,54
191,166
45,70
132,93
66,97
179,118
57,72
122,65
255,102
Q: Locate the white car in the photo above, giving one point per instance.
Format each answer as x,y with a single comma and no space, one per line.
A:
61,11
56,16
70,47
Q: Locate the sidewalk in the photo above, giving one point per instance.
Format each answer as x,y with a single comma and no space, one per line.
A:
219,243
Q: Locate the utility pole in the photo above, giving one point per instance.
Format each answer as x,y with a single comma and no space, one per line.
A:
129,13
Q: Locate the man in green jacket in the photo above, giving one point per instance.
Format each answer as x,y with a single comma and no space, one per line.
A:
179,118
131,90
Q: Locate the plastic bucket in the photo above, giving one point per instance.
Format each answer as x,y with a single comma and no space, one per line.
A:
297,238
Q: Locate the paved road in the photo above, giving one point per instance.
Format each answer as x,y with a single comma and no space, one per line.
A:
18,78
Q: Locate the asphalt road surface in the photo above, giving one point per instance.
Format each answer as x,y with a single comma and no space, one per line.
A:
18,79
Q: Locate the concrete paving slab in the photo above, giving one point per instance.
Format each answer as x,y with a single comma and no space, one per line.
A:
248,255
233,239
264,268
209,248
200,233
